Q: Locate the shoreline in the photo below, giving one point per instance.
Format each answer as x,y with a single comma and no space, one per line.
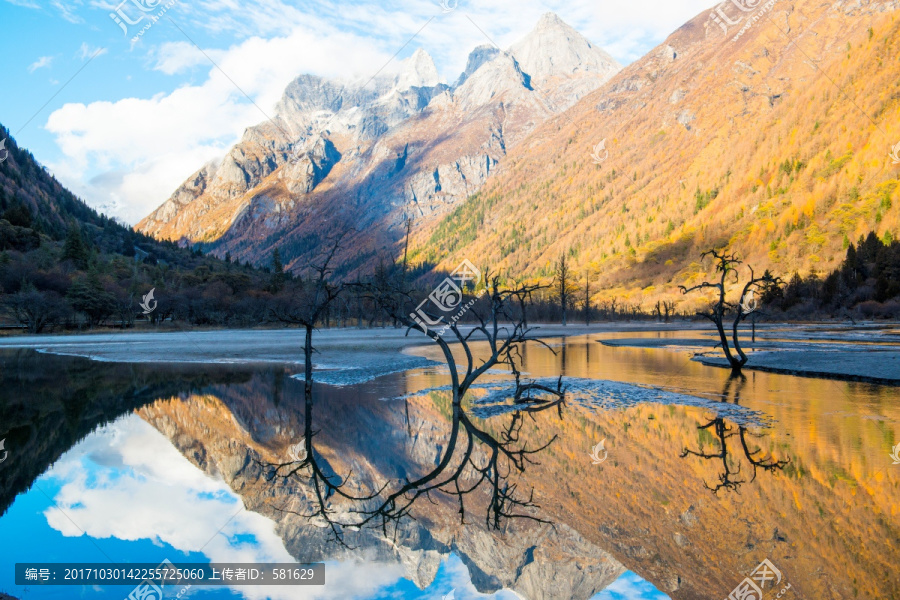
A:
813,371
343,356
841,358
348,355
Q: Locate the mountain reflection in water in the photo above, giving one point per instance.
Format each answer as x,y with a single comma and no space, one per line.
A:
822,506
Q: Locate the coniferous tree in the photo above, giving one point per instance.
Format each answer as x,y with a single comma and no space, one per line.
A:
87,295
278,276
18,214
562,285
75,249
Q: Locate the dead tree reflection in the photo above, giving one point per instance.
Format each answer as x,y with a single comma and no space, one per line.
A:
730,478
474,458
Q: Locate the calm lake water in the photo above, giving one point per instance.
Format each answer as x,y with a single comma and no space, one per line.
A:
119,463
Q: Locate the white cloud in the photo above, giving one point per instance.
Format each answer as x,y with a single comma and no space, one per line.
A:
66,10
456,576
87,51
24,3
132,153
178,57
40,63
127,481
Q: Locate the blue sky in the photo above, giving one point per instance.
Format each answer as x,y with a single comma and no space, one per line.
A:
126,122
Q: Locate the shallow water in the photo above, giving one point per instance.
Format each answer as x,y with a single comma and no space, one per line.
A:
139,463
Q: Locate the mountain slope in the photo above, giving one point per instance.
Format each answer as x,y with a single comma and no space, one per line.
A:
341,155
32,198
773,143
63,265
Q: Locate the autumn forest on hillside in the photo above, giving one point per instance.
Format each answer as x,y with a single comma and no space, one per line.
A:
78,270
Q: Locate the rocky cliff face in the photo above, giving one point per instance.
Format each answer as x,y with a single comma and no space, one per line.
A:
367,155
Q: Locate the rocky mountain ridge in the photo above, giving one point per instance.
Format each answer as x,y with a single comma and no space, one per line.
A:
370,156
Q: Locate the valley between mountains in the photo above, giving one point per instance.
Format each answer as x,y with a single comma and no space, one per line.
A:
772,139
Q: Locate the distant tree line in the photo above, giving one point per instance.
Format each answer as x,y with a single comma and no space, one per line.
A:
97,277
81,282
865,285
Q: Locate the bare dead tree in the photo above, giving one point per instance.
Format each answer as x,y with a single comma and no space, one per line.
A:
308,300
729,477
727,265
503,455
505,333
487,459
669,308
636,311
730,470
306,466
586,303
